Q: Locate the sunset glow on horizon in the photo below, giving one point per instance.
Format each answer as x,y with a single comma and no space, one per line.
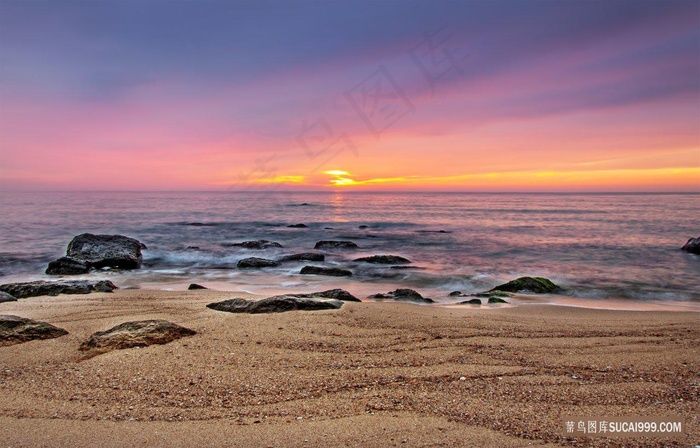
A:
470,96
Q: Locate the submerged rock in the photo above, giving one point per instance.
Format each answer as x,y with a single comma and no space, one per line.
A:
384,259
44,288
15,330
538,285
494,299
363,226
327,244
339,294
196,286
276,304
470,302
67,266
492,293
5,297
255,244
136,334
402,295
457,294
318,270
255,262
692,246
306,256
298,226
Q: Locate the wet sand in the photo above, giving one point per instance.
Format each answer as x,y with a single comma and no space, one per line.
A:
370,374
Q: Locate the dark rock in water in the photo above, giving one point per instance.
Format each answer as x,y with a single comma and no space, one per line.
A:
254,262
692,246
100,251
306,256
403,295
470,302
328,228
492,293
196,286
403,268
433,231
136,334
43,288
5,297
318,270
494,299
193,248
457,294
335,245
201,224
384,259
276,304
338,294
362,226
15,330
298,226
67,266
256,244
538,285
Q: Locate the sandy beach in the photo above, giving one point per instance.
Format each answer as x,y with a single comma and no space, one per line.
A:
369,374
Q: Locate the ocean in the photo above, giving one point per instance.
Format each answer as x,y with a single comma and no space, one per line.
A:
602,248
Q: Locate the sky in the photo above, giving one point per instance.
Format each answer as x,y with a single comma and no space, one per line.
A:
350,95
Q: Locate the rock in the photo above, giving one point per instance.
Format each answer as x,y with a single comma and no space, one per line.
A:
256,244
384,259
306,256
363,226
255,262
338,294
196,286
488,294
335,245
67,266
15,330
43,288
5,297
538,285
403,295
403,268
136,334
433,231
470,302
318,270
494,299
692,246
276,304
298,226
457,294
100,251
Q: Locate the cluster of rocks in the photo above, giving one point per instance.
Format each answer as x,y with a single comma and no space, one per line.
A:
16,330
88,251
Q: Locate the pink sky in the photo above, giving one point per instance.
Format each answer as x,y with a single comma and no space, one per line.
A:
610,109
